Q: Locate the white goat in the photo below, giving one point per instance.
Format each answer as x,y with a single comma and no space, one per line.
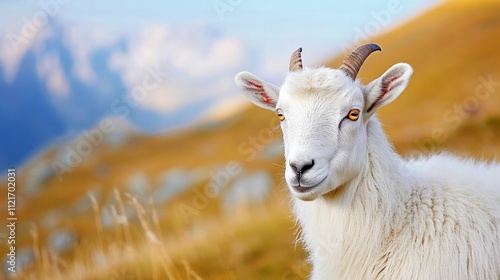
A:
366,213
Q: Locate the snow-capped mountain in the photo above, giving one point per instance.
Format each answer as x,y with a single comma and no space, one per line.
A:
66,79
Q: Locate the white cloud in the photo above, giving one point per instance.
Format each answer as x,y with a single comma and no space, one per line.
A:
201,63
49,68
148,48
82,43
166,97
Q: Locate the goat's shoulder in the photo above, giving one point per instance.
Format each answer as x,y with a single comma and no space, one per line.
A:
452,172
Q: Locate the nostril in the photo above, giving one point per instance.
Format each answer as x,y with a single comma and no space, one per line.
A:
294,168
308,166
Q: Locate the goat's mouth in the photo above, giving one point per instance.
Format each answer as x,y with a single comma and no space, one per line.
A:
304,189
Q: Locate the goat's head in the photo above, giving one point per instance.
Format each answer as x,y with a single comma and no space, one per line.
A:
324,114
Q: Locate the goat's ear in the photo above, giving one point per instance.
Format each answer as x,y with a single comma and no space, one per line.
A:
387,87
262,94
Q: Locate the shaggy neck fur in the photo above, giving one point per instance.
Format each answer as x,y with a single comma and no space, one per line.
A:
433,218
337,227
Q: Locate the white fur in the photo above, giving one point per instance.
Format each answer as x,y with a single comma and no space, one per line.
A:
377,216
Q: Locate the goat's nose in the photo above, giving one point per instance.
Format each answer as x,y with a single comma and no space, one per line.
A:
302,167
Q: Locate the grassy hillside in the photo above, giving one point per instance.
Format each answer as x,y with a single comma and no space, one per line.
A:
453,50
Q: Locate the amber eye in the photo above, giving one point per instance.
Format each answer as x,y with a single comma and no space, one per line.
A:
353,115
279,112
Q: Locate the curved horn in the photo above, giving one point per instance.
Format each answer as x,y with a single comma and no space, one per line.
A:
296,61
352,63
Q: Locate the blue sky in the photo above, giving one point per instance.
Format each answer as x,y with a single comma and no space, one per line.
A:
89,53
318,26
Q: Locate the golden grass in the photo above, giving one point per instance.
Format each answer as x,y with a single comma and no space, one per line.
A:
142,251
110,255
